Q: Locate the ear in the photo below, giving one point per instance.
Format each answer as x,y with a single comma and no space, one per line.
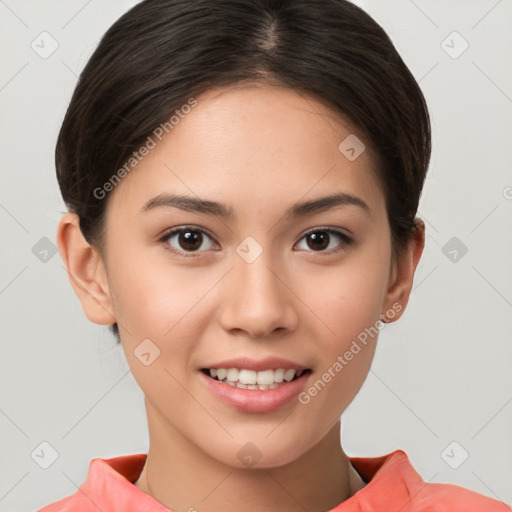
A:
402,274
86,271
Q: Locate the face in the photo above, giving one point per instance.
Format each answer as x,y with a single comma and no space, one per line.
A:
269,286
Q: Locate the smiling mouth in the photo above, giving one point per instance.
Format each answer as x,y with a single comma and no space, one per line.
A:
256,380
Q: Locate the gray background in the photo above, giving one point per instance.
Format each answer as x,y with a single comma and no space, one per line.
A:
441,374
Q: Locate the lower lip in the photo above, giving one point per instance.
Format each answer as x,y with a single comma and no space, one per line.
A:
256,400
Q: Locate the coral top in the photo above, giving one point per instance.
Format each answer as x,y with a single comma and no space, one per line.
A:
392,485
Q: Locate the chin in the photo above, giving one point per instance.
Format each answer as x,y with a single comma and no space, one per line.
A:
260,453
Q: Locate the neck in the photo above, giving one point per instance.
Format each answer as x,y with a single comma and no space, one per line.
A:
184,478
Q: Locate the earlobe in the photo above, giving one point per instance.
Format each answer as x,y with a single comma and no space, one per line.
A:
402,275
86,271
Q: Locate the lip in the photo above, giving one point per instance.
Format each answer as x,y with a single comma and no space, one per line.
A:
255,400
268,363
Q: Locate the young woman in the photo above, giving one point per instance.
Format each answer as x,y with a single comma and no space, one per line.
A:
242,179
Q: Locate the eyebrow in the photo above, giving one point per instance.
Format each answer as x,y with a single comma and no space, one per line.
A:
300,209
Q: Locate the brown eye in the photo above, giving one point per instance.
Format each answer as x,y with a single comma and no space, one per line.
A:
318,240
190,240
187,239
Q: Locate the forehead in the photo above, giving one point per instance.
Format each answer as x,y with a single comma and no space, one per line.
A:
258,145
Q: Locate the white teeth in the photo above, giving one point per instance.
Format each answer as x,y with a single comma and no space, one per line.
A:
250,379
266,377
247,376
232,374
279,375
289,374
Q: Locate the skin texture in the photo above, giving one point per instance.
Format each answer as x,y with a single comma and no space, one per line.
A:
257,149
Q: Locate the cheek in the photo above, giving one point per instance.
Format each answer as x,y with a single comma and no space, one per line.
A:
344,300
170,305
161,310
347,304
349,308
152,294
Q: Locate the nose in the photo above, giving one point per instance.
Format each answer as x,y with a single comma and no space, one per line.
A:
258,300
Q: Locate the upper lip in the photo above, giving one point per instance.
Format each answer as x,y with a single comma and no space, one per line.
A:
258,364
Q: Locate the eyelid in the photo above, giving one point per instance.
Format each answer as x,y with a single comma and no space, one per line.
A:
338,231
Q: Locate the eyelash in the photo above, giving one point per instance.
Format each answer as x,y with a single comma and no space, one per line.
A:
346,240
